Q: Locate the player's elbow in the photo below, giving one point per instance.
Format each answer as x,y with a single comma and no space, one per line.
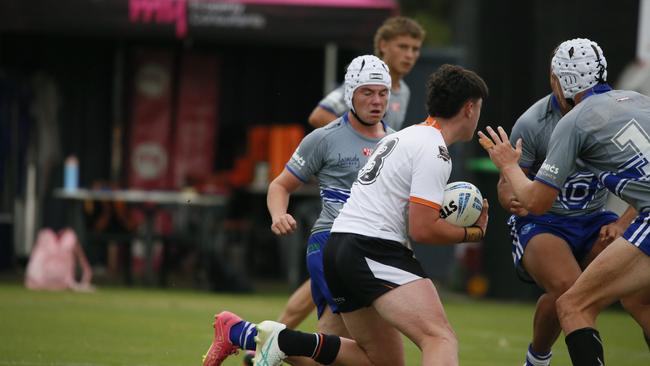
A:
315,118
418,236
313,121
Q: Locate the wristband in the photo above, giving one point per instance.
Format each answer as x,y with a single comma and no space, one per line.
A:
473,234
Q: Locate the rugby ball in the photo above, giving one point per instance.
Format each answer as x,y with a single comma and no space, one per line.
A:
462,204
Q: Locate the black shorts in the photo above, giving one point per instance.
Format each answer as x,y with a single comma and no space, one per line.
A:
358,269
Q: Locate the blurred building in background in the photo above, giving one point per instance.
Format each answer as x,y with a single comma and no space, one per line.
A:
176,94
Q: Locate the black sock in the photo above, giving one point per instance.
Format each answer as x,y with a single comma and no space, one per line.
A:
585,347
321,347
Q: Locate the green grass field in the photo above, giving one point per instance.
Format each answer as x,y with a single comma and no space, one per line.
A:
144,327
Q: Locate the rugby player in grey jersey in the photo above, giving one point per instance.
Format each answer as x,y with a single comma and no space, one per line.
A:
374,278
607,131
397,43
333,154
551,250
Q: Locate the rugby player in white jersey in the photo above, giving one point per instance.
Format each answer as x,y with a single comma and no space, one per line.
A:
377,284
333,154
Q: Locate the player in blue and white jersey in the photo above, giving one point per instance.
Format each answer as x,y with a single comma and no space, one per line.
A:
569,236
606,132
333,154
397,43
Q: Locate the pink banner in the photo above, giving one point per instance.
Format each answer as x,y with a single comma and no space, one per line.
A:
380,4
196,124
160,12
151,119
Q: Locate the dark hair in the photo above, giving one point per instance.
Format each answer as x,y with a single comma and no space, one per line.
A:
449,87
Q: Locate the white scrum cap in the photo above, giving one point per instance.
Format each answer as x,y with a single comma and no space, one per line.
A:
579,64
365,70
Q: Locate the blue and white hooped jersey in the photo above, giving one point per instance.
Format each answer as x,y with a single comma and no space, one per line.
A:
333,154
582,192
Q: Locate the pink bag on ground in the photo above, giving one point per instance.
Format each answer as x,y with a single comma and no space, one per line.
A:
52,262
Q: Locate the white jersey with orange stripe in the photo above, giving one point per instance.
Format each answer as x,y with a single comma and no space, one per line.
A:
410,165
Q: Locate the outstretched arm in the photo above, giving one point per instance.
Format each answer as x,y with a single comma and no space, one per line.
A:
534,196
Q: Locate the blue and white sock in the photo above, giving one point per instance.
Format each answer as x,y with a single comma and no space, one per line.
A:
534,359
243,335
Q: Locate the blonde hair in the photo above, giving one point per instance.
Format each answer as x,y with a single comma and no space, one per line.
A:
397,26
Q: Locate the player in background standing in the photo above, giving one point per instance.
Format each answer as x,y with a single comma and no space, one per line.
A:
397,42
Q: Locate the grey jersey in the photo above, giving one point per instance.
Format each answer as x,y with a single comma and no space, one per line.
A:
395,113
333,154
609,132
581,193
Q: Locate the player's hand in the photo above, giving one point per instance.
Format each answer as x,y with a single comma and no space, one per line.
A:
283,224
482,220
516,208
611,231
499,148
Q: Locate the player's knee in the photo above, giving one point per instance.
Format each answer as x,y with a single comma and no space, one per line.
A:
439,333
560,286
566,306
635,305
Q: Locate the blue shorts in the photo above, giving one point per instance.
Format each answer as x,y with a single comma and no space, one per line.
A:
580,232
320,293
637,232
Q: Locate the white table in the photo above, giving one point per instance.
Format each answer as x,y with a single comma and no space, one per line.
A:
182,199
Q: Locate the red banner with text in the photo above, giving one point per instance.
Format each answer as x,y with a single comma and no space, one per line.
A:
151,119
196,124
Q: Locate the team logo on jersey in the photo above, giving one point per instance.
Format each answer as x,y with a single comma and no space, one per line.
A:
366,151
443,153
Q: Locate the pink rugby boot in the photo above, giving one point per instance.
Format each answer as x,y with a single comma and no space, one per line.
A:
221,346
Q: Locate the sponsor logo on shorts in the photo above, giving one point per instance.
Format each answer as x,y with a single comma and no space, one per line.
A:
527,228
339,300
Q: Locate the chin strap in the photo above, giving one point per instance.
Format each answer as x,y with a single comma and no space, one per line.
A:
360,120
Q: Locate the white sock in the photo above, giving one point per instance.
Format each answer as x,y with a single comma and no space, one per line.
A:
533,359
